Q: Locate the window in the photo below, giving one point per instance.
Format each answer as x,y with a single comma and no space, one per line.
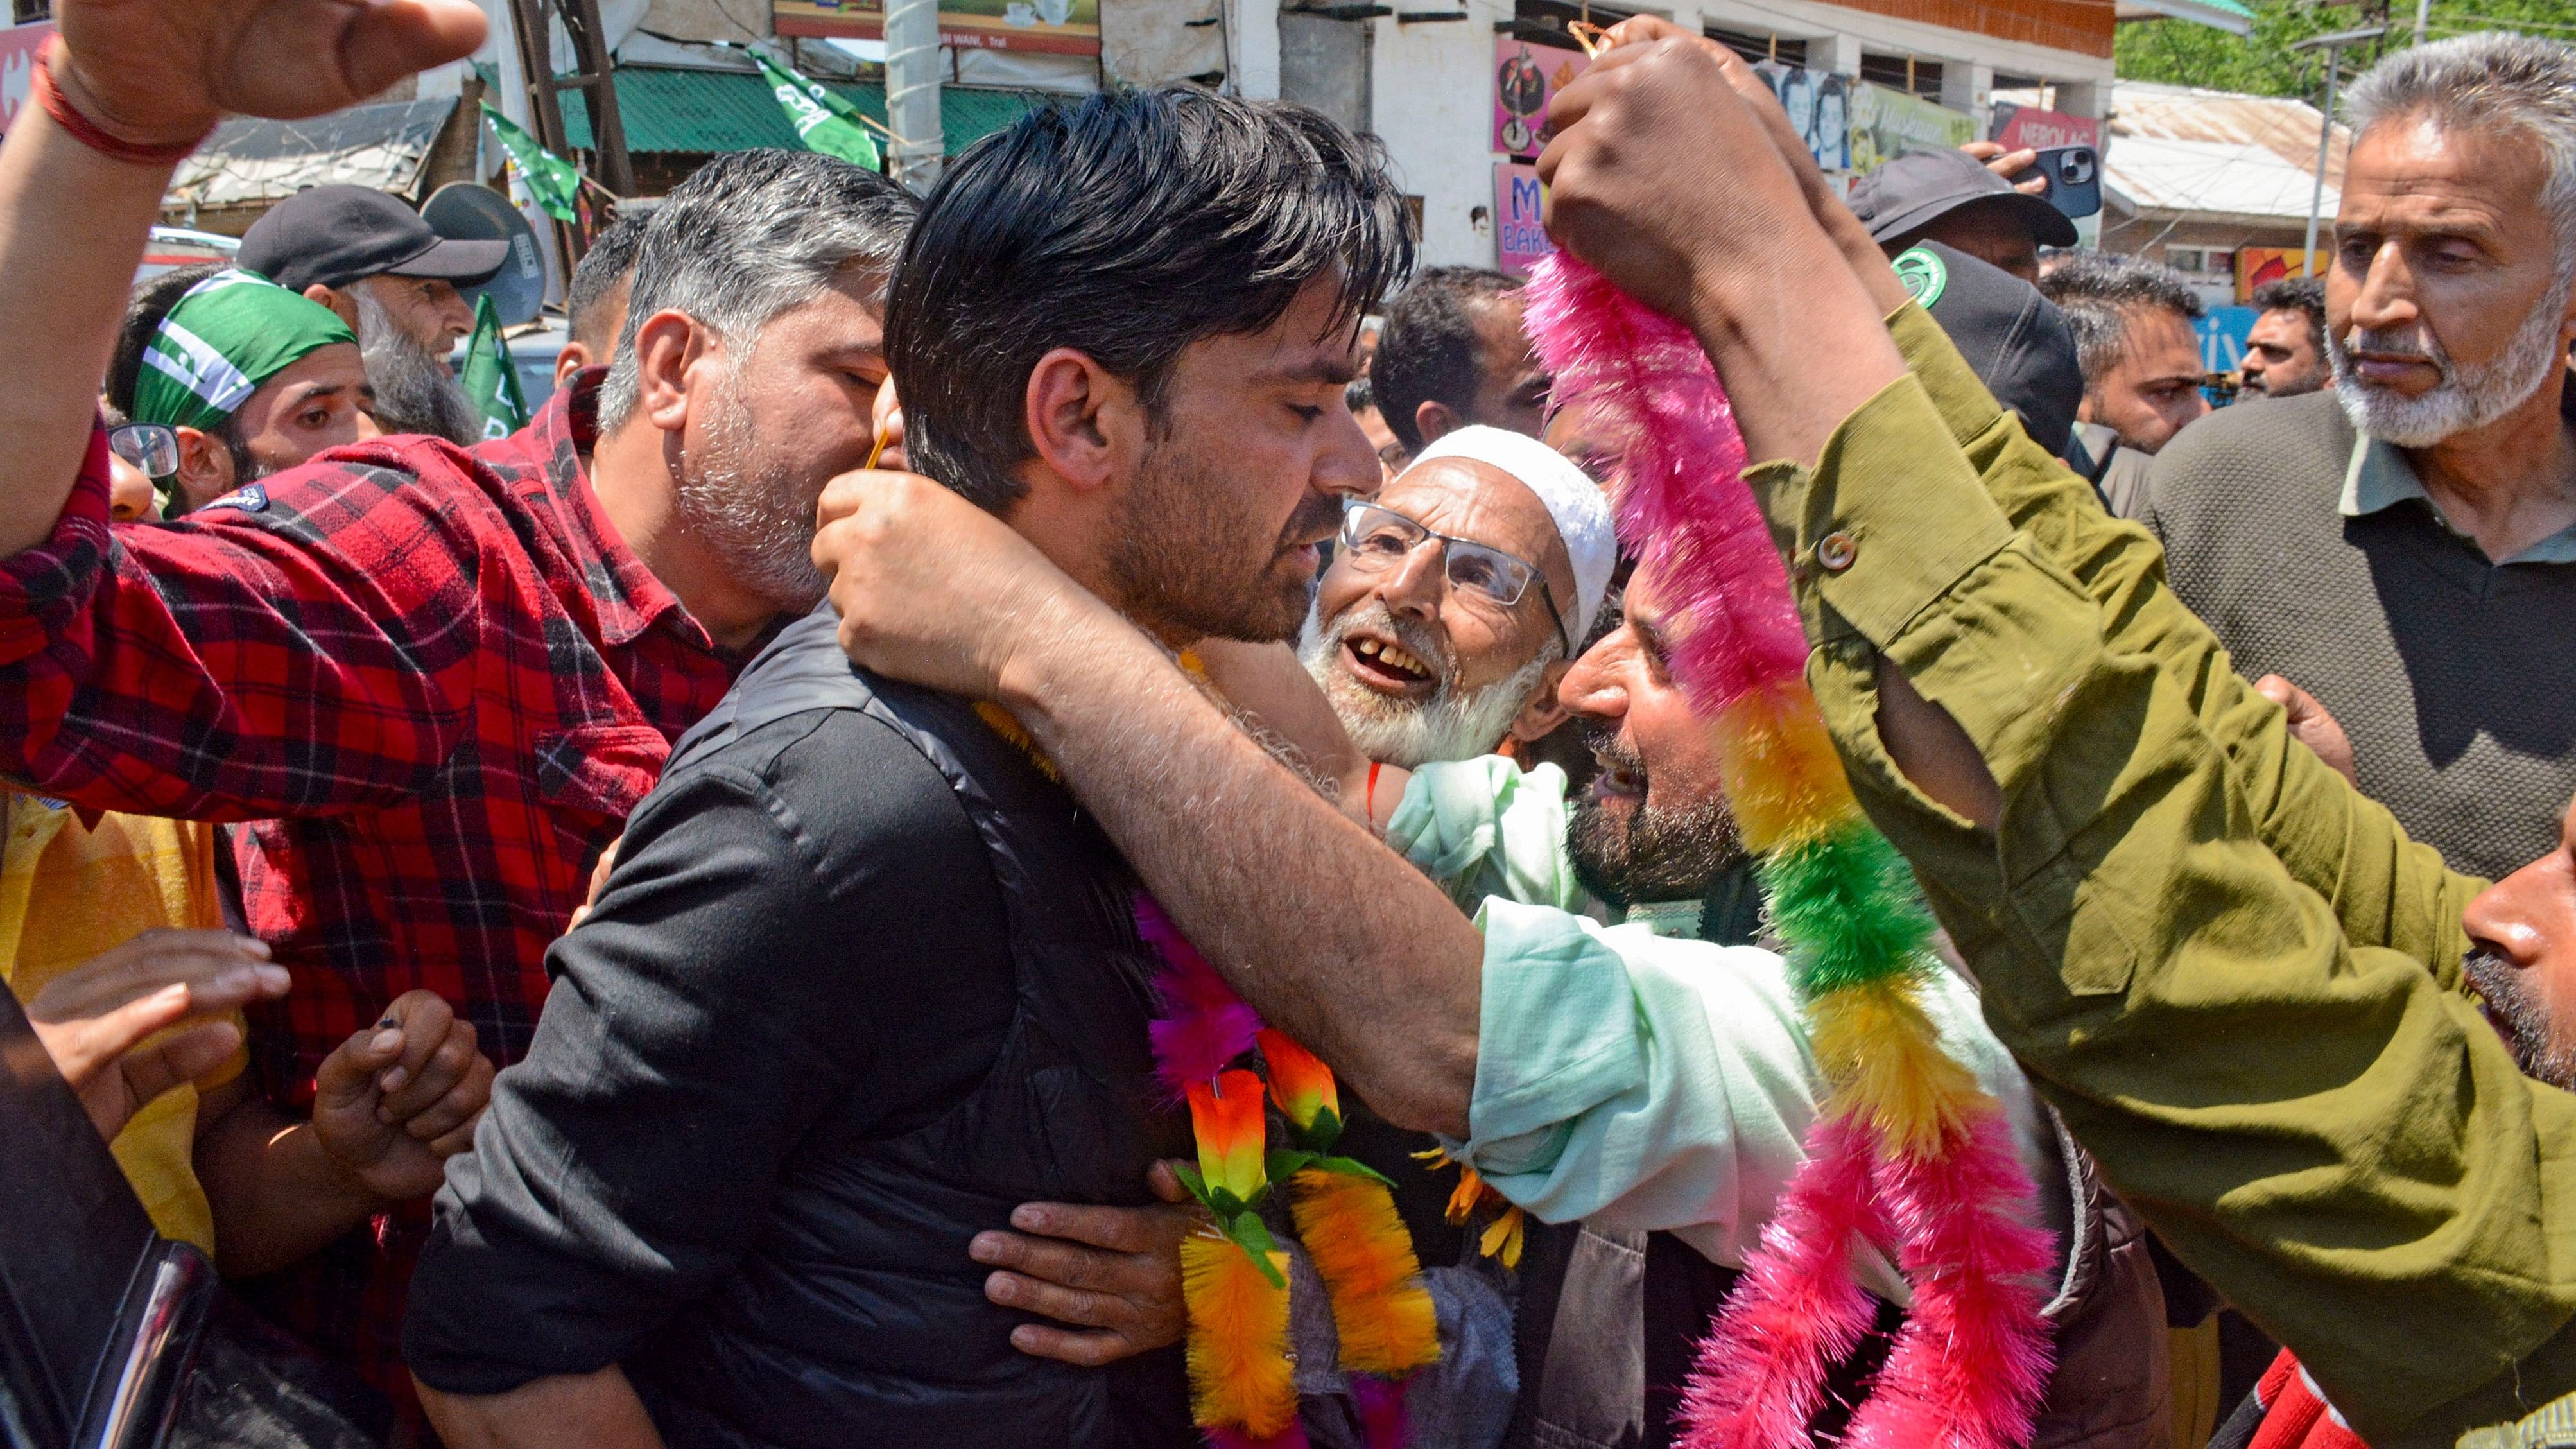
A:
22,12
1904,73
1544,22
2202,264
1759,48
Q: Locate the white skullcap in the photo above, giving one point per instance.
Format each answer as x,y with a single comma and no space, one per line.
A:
1581,511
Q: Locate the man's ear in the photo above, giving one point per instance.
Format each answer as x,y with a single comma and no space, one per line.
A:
205,468
1545,711
574,357
1086,425
342,305
1435,420
668,348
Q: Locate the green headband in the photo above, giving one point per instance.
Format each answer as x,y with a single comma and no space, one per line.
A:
230,333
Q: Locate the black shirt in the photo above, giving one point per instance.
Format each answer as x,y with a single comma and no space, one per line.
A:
800,951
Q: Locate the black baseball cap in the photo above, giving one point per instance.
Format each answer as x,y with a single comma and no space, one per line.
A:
2016,339
336,235
1920,187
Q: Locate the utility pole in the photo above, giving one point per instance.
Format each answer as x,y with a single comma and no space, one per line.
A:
2334,46
912,91
591,75
2423,13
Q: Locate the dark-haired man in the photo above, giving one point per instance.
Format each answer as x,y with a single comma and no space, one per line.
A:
865,978
1453,355
439,679
2132,320
249,377
595,303
2285,353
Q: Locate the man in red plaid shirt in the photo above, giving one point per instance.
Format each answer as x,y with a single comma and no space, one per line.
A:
430,682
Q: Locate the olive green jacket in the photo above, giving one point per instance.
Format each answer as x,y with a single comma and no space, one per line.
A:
2235,977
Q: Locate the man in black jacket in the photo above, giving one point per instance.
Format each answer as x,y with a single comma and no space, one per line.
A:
864,979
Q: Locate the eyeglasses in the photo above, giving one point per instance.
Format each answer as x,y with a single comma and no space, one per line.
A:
150,447
1377,539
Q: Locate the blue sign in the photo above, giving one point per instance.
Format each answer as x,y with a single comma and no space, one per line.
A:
2223,331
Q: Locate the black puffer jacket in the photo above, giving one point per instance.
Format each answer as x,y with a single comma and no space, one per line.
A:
1066,1114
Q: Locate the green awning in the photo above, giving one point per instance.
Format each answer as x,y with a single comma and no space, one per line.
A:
666,108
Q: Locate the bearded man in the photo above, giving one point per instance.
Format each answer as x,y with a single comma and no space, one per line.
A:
438,679
1457,598
2403,546
865,978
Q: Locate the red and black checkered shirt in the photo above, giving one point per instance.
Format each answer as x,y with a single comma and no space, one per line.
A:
436,680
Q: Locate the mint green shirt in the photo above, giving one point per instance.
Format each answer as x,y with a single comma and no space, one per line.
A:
1636,1080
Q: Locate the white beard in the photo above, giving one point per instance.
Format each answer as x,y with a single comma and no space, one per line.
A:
1453,724
2467,398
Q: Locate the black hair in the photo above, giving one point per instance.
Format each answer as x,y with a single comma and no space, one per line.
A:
1126,227
1428,352
606,266
2307,294
2097,291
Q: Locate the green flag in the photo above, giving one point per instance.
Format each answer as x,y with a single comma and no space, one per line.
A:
551,179
823,121
489,379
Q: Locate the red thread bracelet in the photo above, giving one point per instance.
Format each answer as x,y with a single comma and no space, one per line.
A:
88,132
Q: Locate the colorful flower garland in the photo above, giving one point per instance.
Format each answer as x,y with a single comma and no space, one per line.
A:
1908,1151
1234,1276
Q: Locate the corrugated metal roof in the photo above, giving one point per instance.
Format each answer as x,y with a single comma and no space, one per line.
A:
2224,15
2283,126
250,161
2216,178
666,108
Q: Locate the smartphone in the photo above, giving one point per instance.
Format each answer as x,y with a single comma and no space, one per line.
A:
2074,177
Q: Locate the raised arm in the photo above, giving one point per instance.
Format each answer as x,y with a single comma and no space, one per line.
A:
151,77
1327,933
2333,1140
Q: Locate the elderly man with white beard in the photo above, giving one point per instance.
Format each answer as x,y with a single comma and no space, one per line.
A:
1457,598
2403,545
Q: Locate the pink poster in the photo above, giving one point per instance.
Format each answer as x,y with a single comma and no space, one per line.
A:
1520,237
1525,76
18,47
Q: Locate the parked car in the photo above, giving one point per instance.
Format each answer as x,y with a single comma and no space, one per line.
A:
176,246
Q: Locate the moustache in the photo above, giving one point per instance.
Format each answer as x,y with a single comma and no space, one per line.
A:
1606,746
1316,519
2413,343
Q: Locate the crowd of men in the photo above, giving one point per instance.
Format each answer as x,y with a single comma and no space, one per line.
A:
562,924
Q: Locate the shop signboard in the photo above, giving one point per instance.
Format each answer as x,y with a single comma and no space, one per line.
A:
1062,27
1520,235
1886,123
2257,266
18,47
1525,77
2223,331
2017,127
1819,107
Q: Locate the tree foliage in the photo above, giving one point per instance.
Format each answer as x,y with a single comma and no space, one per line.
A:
2262,63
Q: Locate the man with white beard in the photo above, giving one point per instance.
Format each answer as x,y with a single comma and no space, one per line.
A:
1456,599
2403,545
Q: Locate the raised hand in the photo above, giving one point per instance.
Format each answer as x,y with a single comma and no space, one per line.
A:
93,1017
154,71
399,1098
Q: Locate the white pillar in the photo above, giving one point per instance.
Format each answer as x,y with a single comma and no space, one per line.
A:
1254,33
1965,84
913,67
1838,52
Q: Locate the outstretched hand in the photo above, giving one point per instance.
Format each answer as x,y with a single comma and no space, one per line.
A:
156,71
92,1019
